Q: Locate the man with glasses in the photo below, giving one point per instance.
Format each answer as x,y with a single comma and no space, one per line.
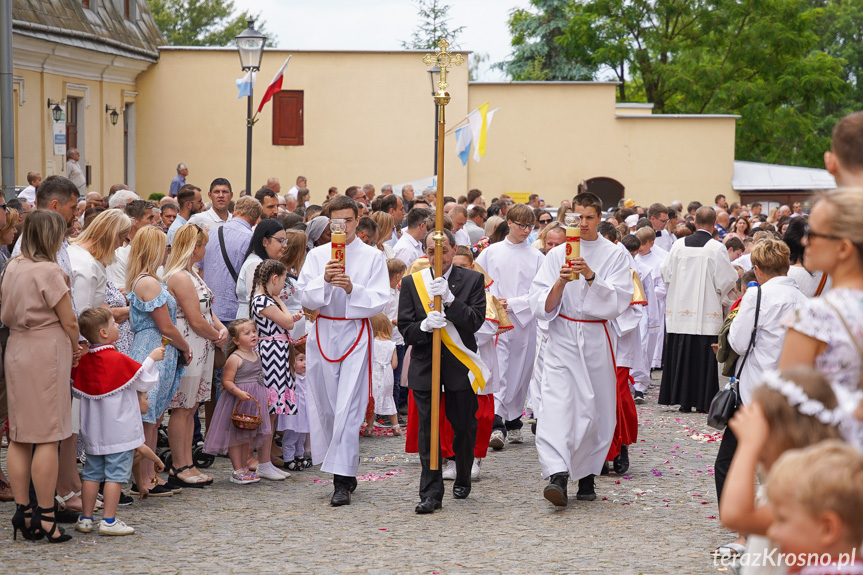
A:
658,216
220,195
189,200
513,264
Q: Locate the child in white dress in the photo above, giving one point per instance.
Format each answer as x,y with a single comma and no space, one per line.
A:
296,426
384,361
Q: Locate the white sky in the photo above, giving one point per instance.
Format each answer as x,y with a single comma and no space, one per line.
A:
383,24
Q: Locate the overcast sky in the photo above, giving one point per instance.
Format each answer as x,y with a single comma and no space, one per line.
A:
383,25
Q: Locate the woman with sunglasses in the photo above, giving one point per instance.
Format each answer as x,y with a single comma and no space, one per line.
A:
203,332
268,243
826,332
543,218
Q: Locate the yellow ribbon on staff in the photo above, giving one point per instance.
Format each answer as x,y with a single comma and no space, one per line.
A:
478,372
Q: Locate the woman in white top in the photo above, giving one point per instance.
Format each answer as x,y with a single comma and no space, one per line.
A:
294,256
386,223
203,331
807,281
267,243
827,332
89,254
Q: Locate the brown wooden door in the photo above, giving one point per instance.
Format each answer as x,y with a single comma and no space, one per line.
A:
288,118
71,123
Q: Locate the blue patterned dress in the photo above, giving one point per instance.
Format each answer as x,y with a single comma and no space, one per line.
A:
147,338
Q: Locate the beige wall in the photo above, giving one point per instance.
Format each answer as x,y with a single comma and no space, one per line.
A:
548,136
368,118
103,142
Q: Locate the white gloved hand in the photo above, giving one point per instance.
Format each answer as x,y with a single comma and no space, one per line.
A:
434,320
440,287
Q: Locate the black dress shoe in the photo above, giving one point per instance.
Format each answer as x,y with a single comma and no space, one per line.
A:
586,490
428,505
341,496
621,462
461,491
555,491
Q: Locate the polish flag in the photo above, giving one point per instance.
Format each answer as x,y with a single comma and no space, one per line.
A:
274,86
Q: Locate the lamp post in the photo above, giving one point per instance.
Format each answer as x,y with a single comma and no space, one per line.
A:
434,76
250,45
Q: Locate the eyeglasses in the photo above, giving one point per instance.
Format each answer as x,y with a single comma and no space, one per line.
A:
5,207
807,233
523,227
280,240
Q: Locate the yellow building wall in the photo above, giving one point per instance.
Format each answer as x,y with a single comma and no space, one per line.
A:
103,142
368,118
547,137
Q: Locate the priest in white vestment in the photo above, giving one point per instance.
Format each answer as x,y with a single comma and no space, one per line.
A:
658,216
576,418
340,345
698,274
512,264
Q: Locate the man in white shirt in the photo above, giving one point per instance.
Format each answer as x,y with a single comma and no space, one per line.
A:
189,200
458,215
301,183
474,226
394,206
74,171
220,195
410,245
698,274
658,216
275,185
512,265
142,214
28,194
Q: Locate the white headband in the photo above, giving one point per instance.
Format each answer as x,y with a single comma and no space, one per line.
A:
847,401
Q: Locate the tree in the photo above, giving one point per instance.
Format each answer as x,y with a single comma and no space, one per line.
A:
202,22
536,36
434,25
761,59
475,60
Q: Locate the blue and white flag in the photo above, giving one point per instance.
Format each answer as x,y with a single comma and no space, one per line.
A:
463,140
245,84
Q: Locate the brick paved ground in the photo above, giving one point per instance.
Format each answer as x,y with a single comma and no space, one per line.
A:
659,518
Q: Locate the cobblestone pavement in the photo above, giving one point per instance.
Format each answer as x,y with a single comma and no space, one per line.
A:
659,518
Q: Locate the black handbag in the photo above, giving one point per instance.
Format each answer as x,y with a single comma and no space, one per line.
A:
725,403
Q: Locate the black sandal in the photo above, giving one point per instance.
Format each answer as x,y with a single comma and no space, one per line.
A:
295,465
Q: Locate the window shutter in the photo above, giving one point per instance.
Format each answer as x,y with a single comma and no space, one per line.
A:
288,118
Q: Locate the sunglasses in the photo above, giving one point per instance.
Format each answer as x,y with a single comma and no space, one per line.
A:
807,233
548,221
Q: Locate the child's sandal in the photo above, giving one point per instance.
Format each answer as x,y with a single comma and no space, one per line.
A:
295,464
307,462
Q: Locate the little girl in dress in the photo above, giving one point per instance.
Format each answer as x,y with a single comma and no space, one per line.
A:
242,380
296,427
384,361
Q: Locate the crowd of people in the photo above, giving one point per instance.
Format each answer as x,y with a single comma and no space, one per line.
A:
300,327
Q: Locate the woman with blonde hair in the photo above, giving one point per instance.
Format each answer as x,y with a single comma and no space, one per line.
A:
7,235
294,256
386,223
153,315
43,344
203,332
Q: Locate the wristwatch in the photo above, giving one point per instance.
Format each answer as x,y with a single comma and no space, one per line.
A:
591,278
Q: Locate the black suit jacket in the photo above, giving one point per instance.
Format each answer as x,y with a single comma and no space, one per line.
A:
466,312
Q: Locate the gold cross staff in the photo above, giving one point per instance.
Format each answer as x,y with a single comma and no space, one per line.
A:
443,60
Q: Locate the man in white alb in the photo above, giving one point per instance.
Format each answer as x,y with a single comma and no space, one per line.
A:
576,418
340,346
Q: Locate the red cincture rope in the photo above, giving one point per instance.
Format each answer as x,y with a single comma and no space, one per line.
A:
366,326
604,325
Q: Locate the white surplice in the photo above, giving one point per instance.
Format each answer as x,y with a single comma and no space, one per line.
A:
697,280
665,240
656,316
512,268
635,346
579,392
337,392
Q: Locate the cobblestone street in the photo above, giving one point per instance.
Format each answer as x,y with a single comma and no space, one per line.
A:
659,518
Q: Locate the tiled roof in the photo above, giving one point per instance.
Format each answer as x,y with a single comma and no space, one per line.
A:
103,28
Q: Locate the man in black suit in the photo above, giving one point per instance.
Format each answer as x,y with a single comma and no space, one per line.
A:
462,294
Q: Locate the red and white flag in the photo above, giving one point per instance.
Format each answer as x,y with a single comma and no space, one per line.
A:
275,85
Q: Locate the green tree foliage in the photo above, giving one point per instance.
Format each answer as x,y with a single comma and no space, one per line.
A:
201,22
782,65
434,25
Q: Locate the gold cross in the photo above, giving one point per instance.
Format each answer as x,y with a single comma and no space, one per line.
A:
443,60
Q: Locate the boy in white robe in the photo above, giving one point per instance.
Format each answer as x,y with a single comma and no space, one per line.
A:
653,256
578,396
512,264
339,347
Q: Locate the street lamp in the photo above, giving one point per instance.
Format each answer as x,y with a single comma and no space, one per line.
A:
250,46
434,77
56,111
112,114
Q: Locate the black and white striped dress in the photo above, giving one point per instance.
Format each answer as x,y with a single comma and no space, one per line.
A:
274,359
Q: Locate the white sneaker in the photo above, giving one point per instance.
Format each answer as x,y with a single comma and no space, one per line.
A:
514,436
449,471
273,469
270,472
84,525
474,469
115,528
497,441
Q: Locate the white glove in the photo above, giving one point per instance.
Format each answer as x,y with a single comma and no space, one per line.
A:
440,287
434,320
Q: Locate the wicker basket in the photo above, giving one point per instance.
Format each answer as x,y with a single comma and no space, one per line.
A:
246,421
